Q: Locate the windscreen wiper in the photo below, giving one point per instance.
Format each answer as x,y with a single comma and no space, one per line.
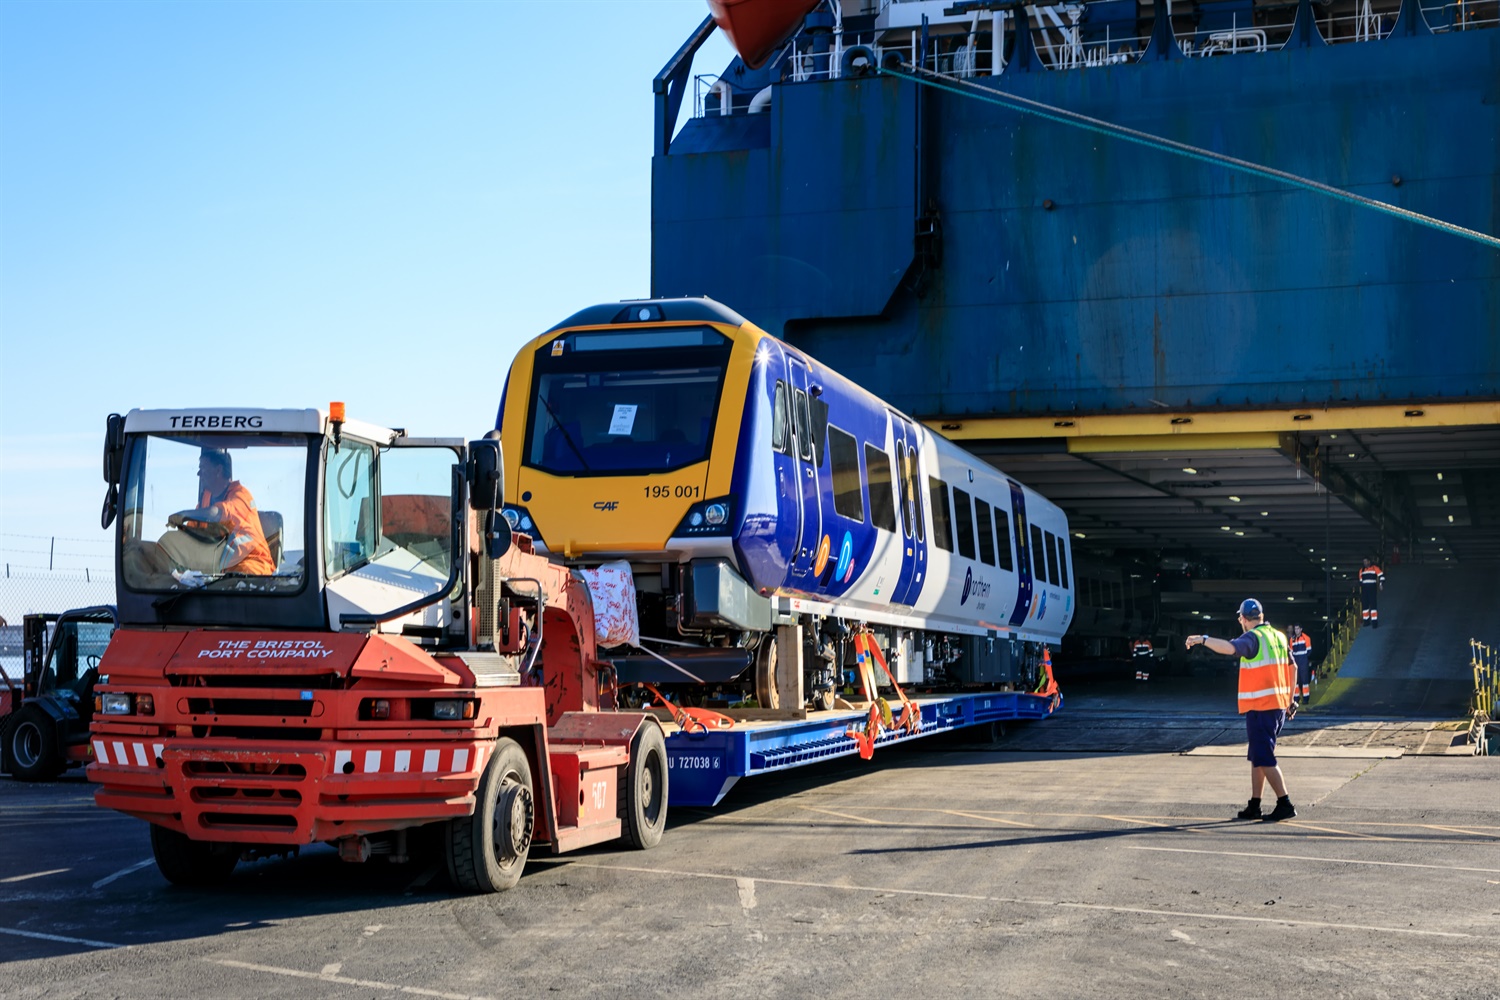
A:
566,436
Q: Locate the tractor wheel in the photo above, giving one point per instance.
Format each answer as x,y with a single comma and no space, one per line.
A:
487,851
643,800
32,746
192,863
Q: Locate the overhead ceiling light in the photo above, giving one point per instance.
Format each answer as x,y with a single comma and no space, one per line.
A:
1190,470
1240,534
1351,454
1445,498
1450,518
1235,499
1440,477
1225,527
1265,513
1079,534
1291,598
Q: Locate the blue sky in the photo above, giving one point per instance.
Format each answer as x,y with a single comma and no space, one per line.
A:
282,204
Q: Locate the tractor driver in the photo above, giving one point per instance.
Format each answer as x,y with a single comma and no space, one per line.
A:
223,533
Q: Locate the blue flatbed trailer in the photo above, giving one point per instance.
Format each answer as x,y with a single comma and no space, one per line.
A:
704,766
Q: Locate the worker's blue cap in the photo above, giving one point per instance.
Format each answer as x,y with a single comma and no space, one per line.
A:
1251,608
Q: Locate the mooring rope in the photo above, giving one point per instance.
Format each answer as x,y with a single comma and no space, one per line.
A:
928,78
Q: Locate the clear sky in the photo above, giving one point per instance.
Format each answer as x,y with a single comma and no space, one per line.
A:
284,203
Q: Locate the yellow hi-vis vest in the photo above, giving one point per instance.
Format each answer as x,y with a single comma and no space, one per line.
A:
1266,679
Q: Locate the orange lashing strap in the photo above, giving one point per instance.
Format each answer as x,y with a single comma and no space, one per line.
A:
690,720
867,652
1047,684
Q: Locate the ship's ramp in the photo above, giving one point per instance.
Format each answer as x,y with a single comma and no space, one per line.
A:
1416,664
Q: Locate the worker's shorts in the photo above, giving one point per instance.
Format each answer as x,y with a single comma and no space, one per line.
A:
1262,726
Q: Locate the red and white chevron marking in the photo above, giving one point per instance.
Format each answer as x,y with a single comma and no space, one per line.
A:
386,760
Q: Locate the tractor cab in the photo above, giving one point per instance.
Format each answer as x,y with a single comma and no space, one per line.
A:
285,519
54,700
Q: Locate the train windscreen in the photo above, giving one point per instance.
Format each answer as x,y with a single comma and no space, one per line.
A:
621,402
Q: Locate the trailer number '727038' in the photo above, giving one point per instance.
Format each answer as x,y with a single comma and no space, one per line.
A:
699,762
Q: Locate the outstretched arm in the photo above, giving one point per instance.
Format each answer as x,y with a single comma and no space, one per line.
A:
1221,646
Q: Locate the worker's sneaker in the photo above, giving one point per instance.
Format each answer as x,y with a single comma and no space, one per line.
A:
1284,810
1251,811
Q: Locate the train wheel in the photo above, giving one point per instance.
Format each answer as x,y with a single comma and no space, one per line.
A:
765,674
643,802
193,863
487,851
32,743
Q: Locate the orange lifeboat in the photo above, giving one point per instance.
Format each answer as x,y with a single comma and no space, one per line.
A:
756,28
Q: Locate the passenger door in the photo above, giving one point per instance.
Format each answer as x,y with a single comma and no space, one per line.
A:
1018,528
805,460
911,523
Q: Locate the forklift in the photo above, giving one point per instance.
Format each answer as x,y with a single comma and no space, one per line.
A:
44,719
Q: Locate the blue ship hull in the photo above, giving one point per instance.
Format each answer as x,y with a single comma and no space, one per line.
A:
1073,272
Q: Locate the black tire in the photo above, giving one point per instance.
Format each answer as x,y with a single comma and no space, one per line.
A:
487,851
31,746
643,799
192,863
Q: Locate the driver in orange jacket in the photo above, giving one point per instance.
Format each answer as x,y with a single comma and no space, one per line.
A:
228,506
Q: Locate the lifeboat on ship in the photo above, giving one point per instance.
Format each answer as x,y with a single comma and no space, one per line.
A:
757,28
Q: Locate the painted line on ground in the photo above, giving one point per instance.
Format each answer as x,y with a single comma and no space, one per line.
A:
857,819
58,937
1303,857
106,880
23,878
341,980
1053,903
987,819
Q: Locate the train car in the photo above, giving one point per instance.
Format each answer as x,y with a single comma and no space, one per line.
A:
753,489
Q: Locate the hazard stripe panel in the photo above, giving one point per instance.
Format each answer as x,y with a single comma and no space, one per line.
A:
419,759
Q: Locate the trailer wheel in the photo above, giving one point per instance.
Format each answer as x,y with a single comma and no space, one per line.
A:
32,746
194,863
766,693
643,803
487,851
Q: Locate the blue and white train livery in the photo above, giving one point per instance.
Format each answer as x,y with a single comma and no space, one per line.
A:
763,501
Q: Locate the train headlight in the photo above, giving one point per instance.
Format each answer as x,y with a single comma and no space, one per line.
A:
711,517
519,519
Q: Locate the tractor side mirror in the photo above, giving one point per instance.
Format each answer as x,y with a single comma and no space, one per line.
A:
486,489
114,462
486,474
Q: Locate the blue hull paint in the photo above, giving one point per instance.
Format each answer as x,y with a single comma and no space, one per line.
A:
1151,278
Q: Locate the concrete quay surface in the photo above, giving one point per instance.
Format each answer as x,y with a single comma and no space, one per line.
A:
939,871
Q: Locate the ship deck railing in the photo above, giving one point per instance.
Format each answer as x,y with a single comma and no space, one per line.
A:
1063,40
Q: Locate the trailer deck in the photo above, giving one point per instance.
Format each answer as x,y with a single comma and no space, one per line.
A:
705,765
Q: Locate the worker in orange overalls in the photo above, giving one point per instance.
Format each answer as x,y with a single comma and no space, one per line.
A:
1141,652
1301,647
1371,582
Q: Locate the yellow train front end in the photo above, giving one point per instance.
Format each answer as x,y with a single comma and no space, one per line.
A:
620,428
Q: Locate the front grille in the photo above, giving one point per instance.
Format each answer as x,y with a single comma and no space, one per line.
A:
285,708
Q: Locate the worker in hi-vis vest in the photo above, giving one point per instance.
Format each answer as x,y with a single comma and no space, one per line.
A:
1301,647
1371,582
1265,700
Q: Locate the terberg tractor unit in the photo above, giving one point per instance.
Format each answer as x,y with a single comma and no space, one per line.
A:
327,634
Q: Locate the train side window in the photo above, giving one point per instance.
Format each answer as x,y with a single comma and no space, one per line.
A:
878,474
843,460
1062,559
1038,558
802,423
942,534
1054,556
780,421
986,532
963,522
1002,539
